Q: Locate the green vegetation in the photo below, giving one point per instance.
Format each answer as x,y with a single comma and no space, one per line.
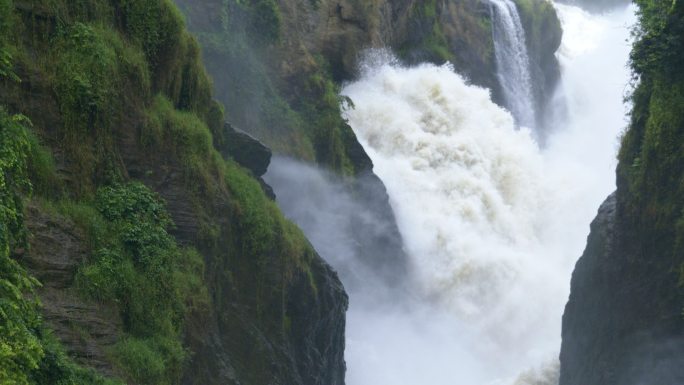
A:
651,167
28,353
137,266
542,26
90,62
21,349
265,20
431,37
324,124
299,117
116,92
184,135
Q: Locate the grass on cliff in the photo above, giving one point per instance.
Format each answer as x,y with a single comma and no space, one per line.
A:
299,117
651,167
430,40
29,354
262,226
107,73
136,265
104,60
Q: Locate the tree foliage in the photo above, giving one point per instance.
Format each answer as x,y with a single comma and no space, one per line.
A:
20,346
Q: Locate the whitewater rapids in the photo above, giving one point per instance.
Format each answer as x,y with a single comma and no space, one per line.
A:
492,223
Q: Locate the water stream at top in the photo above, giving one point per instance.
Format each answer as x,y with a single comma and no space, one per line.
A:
512,61
492,223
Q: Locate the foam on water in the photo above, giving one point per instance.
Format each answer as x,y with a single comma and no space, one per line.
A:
492,223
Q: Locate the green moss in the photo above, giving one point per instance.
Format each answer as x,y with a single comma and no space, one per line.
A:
156,25
6,23
255,210
28,353
21,349
42,170
431,39
94,70
325,124
266,20
137,265
651,167
184,135
57,368
111,79
542,26
154,361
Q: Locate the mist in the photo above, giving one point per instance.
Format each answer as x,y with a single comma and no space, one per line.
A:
491,222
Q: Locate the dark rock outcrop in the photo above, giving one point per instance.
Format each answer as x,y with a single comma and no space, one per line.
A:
543,34
376,233
246,150
623,324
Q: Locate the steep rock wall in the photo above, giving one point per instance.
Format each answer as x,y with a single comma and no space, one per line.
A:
116,92
623,324
276,87
282,85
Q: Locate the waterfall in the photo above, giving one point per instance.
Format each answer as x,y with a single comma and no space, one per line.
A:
513,62
492,224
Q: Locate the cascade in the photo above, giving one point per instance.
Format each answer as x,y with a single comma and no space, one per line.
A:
513,62
492,223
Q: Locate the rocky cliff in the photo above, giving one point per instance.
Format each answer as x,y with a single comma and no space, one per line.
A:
204,281
284,89
159,254
623,323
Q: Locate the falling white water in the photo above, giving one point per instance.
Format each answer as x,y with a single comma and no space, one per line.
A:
512,61
492,224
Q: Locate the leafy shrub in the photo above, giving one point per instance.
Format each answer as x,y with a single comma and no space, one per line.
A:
28,353
156,25
57,369
137,265
266,20
20,347
149,361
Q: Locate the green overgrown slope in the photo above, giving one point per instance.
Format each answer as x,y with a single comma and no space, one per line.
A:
103,103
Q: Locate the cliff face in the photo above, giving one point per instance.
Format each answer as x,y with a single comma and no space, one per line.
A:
203,282
623,324
544,34
161,255
283,89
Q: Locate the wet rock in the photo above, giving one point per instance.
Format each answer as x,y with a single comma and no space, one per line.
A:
246,150
622,324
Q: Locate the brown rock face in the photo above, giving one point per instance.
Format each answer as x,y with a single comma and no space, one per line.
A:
85,328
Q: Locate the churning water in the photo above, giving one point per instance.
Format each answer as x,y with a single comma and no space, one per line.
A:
492,223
